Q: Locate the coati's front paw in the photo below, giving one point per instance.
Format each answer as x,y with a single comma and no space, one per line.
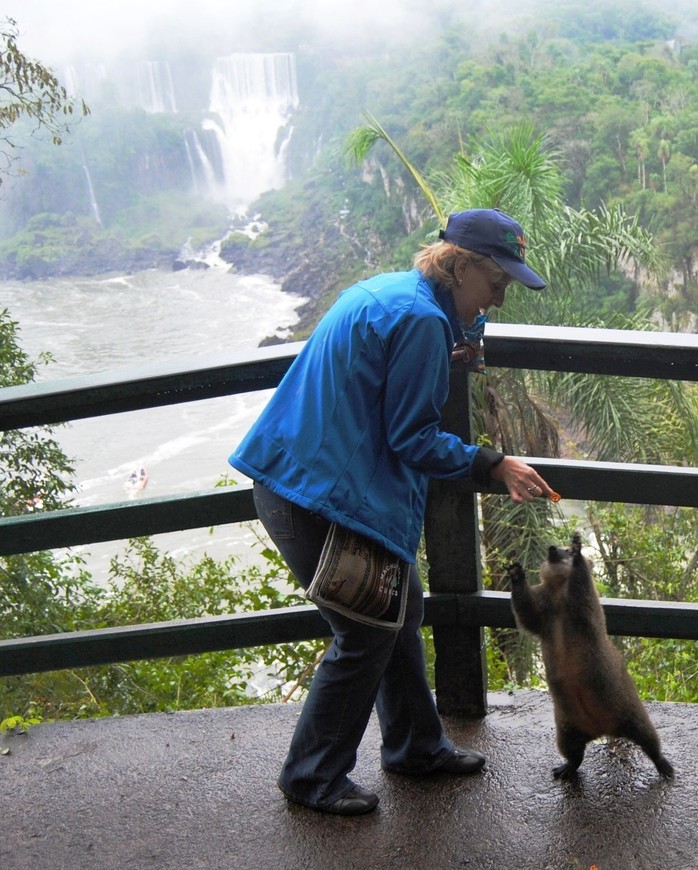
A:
516,573
565,771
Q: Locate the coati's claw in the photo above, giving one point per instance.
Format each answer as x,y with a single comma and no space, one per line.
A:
516,573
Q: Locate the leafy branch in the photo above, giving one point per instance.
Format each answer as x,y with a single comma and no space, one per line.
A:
31,91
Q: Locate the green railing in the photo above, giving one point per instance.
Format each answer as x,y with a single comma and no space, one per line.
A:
456,605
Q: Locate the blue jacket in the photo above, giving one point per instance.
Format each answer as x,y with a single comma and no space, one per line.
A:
352,431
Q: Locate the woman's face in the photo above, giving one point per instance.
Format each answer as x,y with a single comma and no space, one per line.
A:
475,291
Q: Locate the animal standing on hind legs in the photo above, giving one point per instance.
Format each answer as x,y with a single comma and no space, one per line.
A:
593,693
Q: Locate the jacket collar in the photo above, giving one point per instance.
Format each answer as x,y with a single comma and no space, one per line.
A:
444,299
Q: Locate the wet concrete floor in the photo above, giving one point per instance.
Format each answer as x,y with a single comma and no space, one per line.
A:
198,789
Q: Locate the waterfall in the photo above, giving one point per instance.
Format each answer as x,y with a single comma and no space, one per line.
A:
189,138
84,80
155,89
238,151
90,189
147,84
251,99
205,161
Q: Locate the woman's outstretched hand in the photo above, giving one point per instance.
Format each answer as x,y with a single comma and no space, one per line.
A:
523,482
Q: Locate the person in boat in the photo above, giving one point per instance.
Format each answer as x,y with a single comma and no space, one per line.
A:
137,479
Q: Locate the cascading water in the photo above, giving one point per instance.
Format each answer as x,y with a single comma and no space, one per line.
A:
154,85
90,190
83,81
252,97
205,161
238,151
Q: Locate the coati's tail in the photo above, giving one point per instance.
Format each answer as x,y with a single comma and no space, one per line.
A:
664,766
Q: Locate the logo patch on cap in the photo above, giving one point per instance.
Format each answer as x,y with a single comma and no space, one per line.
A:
517,244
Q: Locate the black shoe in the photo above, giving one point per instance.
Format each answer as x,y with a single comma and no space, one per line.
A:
459,762
354,803
462,761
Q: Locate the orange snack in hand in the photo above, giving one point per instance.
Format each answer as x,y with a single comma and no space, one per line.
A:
555,497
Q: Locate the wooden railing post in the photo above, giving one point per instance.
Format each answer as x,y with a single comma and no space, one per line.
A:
452,540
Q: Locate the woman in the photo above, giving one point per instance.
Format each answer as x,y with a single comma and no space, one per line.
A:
351,436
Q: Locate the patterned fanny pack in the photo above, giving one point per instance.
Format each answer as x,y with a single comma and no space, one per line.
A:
359,578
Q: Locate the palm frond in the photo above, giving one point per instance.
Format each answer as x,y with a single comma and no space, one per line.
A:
582,244
513,170
627,419
361,142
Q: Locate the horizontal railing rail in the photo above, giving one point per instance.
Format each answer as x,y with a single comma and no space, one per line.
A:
672,356
632,618
182,637
50,530
607,352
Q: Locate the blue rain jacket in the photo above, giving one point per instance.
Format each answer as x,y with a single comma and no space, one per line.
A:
352,431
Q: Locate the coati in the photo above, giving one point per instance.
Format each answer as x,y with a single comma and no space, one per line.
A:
592,691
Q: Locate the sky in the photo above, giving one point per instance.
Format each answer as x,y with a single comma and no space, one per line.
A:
53,32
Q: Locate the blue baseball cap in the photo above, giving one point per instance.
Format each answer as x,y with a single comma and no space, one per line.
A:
490,232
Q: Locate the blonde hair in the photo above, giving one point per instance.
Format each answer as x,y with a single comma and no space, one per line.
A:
438,262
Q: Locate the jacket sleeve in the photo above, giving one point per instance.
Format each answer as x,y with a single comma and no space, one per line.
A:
417,383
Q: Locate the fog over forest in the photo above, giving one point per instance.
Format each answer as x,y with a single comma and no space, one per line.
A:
81,29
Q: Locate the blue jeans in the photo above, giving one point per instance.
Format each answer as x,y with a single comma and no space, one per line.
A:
363,665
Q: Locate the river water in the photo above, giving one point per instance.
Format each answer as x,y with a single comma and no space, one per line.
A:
113,322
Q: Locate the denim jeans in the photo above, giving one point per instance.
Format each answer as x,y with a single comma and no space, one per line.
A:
362,667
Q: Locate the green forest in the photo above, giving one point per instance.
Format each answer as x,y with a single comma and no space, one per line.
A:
580,120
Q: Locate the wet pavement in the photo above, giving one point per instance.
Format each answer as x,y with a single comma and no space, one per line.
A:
198,789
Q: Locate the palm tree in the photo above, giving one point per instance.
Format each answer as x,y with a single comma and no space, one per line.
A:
664,153
639,140
624,419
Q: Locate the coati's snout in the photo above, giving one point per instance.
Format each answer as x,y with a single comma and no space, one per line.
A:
556,555
558,564
559,556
